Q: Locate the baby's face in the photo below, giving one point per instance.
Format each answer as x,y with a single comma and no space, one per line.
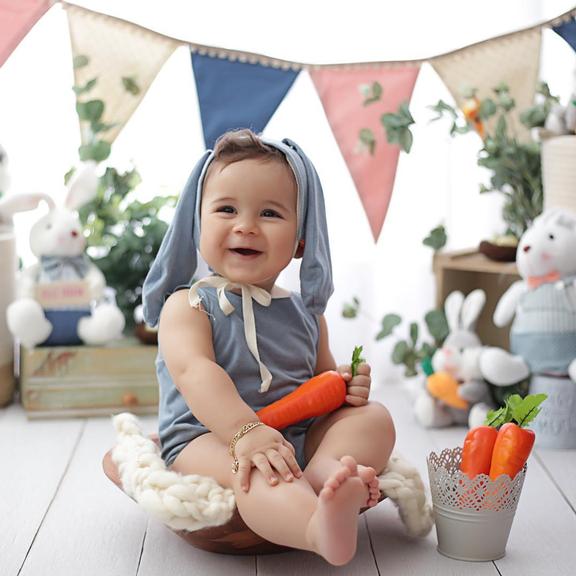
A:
249,221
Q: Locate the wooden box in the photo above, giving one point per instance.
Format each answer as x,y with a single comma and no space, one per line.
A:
88,381
466,270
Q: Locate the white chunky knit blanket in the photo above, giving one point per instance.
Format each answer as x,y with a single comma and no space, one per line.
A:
191,502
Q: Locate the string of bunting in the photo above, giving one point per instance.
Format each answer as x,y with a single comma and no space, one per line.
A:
265,60
116,61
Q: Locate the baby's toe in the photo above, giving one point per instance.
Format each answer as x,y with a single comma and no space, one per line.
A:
350,464
327,492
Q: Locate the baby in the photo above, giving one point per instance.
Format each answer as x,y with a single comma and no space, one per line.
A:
235,342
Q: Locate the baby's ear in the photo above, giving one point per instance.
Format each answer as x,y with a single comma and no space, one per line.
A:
300,249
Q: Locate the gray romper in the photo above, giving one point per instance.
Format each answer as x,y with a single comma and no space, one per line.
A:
287,336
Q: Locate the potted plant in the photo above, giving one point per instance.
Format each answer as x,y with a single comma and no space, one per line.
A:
411,352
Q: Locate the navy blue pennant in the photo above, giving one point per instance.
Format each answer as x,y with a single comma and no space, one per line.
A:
568,31
234,94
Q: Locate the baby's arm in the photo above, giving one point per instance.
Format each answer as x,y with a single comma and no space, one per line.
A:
185,339
358,388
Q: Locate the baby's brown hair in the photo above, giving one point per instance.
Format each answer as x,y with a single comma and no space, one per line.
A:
243,144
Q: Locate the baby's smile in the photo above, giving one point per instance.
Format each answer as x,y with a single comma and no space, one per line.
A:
246,252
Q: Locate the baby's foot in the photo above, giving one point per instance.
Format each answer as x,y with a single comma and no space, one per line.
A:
333,528
368,476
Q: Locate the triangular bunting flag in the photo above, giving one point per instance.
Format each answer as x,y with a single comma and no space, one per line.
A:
513,59
16,19
372,161
234,94
123,57
568,31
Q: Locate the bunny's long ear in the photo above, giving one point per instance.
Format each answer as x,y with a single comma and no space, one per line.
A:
22,203
472,307
316,285
176,260
83,187
452,307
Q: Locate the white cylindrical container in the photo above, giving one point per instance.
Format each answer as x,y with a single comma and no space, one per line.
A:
473,516
559,172
555,426
7,293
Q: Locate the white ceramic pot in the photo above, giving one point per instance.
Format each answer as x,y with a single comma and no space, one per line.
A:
559,172
7,293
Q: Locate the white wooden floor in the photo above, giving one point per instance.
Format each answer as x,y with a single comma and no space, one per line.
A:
60,516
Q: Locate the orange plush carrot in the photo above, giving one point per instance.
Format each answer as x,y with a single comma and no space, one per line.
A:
444,387
320,395
502,445
513,443
477,451
512,448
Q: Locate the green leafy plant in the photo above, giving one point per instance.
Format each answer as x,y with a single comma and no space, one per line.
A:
436,239
515,165
123,234
410,352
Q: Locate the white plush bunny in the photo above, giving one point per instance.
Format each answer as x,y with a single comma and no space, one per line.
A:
459,357
543,303
58,243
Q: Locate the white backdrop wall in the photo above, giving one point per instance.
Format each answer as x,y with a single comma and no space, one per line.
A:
437,183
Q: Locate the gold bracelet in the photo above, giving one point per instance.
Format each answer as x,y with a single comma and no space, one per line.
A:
244,430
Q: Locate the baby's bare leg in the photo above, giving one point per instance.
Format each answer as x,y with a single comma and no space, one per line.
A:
366,433
289,513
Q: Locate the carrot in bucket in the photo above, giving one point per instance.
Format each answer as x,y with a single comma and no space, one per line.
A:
502,445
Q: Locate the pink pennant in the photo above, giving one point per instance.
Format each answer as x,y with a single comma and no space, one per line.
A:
16,19
341,94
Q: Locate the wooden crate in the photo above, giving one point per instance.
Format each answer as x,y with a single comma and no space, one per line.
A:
87,381
466,270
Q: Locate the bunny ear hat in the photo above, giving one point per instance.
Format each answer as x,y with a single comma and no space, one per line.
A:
176,261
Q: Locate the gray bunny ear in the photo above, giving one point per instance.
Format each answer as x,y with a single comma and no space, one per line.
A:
176,260
316,285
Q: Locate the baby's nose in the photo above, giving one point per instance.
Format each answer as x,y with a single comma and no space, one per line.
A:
246,226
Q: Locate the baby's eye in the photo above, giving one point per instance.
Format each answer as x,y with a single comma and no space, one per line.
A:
226,209
268,213
551,236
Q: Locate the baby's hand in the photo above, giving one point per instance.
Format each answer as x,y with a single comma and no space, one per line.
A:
266,449
358,388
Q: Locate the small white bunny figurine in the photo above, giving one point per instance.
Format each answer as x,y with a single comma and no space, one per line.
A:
459,357
58,243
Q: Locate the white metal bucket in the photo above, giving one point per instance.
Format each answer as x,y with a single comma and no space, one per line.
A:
473,516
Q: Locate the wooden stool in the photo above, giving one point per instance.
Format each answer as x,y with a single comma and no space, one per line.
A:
234,537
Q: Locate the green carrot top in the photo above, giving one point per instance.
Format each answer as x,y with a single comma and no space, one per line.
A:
356,359
517,409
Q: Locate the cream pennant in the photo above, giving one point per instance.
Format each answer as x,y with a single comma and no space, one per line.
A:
513,59
120,55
